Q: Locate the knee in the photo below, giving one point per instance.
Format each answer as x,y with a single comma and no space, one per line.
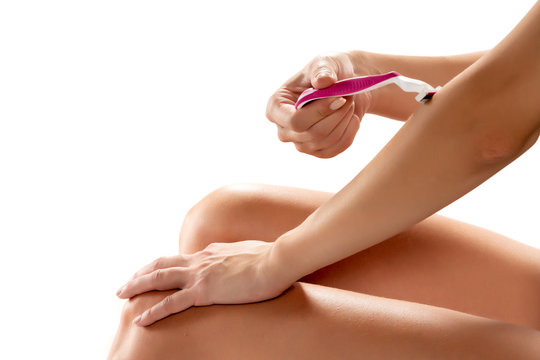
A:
187,333
133,342
215,217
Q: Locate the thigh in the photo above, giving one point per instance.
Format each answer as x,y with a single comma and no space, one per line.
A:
316,322
447,263
439,261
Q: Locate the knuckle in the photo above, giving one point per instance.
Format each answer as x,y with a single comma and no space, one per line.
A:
326,56
317,134
201,255
282,136
155,264
269,106
321,58
314,62
149,313
207,251
157,275
296,124
302,148
168,304
326,60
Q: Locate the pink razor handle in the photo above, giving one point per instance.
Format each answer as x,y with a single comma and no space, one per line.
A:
356,85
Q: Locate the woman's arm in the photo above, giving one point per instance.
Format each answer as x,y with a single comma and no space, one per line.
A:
481,121
390,101
476,125
327,127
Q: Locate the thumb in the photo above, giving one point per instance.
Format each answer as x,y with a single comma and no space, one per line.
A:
323,75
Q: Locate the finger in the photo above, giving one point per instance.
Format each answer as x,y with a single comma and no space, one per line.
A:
335,135
346,140
172,304
162,263
161,279
323,72
318,131
322,134
288,135
280,105
307,116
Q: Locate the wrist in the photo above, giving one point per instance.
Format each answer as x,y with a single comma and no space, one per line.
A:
366,63
284,263
390,101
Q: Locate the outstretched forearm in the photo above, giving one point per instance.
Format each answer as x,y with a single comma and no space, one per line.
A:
478,123
390,101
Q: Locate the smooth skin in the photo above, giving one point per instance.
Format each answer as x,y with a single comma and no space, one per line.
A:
313,322
440,262
482,120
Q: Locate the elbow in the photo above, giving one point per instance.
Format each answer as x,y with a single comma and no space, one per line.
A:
495,150
503,147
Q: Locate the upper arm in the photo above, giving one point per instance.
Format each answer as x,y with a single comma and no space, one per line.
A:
503,90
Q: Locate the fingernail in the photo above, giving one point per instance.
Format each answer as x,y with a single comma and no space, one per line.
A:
336,104
323,74
137,320
120,290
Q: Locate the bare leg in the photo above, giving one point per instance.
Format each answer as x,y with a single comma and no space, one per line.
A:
316,322
439,261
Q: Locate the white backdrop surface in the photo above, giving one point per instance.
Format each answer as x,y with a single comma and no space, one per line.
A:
110,130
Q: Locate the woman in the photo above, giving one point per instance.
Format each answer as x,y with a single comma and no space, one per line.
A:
381,276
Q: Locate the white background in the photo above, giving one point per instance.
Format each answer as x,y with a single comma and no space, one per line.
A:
117,116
